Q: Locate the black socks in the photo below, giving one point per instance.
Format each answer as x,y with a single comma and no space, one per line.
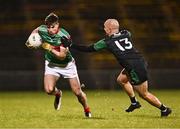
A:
133,99
163,107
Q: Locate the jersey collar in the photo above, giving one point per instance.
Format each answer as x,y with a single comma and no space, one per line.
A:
115,35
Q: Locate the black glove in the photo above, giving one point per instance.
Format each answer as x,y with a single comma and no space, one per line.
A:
66,42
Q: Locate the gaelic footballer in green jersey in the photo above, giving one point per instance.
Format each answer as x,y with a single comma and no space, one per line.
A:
55,41
59,62
119,43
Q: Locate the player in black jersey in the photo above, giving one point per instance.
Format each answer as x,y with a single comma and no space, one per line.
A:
134,74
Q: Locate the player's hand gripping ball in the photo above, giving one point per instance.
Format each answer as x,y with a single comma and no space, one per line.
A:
34,40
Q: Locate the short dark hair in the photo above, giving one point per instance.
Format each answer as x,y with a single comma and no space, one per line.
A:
51,18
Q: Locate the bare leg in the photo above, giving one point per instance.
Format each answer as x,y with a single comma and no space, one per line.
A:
123,81
50,83
49,86
142,89
143,93
76,88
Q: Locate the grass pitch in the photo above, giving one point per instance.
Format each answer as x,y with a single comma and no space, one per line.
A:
35,110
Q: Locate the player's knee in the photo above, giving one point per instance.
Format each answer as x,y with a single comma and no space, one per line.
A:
122,80
77,91
143,95
119,80
49,90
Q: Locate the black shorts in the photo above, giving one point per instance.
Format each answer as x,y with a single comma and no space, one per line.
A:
136,70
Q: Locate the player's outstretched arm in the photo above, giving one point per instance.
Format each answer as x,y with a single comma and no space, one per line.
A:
83,48
68,43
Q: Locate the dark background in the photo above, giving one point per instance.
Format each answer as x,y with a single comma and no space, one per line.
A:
154,24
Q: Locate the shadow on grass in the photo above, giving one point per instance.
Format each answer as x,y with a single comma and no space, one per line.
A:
157,117
96,118
80,117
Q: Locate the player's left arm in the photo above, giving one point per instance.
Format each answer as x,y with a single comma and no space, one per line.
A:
61,54
91,48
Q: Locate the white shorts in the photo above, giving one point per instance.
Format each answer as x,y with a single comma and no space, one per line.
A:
69,71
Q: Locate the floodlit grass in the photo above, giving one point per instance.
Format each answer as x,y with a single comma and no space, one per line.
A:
35,110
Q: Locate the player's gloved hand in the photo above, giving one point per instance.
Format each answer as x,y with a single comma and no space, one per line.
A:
66,42
46,46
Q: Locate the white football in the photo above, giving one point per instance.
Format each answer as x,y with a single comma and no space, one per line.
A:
35,40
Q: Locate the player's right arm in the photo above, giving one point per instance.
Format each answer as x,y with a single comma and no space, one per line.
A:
91,48
59,51
83,48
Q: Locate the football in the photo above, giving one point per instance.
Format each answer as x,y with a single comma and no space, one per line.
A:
35,40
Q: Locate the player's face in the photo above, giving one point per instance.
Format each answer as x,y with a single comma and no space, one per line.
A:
53,29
